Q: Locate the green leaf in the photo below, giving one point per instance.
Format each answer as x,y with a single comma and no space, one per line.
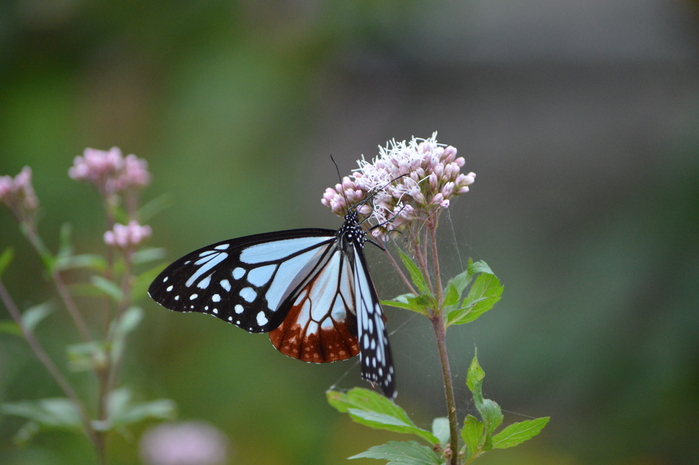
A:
89,261
155,206
490,411
517,433
416,275
122,411
440,428
10,327
25,433
402,453
6,259
65,242
148,254
472,434
419,304
48,413
143,281
492,414
451,295
87,356
484,293
374,410
456,285
34,315
120,329
107,287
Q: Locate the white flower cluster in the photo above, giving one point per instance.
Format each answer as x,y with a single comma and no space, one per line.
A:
405,182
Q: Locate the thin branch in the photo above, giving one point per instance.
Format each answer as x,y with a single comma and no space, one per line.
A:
46,360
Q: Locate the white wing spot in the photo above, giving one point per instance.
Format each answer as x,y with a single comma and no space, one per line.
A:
238,273
177,297
165,279
216,311
230,318
239,309
260,276
216,298
225,284
169,288
248,294
222,247
262,319
204,283
193,296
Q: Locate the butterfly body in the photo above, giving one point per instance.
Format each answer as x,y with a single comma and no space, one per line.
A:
309,288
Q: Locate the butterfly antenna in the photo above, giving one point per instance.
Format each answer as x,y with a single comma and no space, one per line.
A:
337,168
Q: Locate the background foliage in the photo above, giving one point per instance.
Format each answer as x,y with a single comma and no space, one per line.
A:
580,120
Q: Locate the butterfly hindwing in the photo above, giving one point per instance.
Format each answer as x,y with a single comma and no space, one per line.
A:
321,325
375,352
242,281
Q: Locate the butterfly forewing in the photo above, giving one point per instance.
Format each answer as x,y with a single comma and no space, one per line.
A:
242,281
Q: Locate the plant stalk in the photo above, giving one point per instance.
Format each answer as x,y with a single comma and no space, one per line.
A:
441,336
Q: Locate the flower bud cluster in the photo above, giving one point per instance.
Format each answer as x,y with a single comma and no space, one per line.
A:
127,236
110,171
18,194
405,182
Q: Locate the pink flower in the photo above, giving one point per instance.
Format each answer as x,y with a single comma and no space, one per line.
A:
127,236
109,171
18,194
406,182
185,443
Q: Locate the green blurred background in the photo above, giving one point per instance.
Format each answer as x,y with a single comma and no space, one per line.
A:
581,120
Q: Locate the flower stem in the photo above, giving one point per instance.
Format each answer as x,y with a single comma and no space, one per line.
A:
441,336
46,361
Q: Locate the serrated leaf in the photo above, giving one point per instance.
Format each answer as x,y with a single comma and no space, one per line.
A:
34,315
122,411
490,411
485,292
440,428
148,254
473,434
517,433
107,287
416,275
6,258
48,413
402,453
376,411
10,327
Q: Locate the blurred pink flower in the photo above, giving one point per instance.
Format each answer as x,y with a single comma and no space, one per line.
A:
127,236
109,171
18,194
184,443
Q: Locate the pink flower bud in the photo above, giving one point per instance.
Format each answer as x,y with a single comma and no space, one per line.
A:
127,236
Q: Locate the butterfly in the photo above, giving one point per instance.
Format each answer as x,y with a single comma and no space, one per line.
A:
310,289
